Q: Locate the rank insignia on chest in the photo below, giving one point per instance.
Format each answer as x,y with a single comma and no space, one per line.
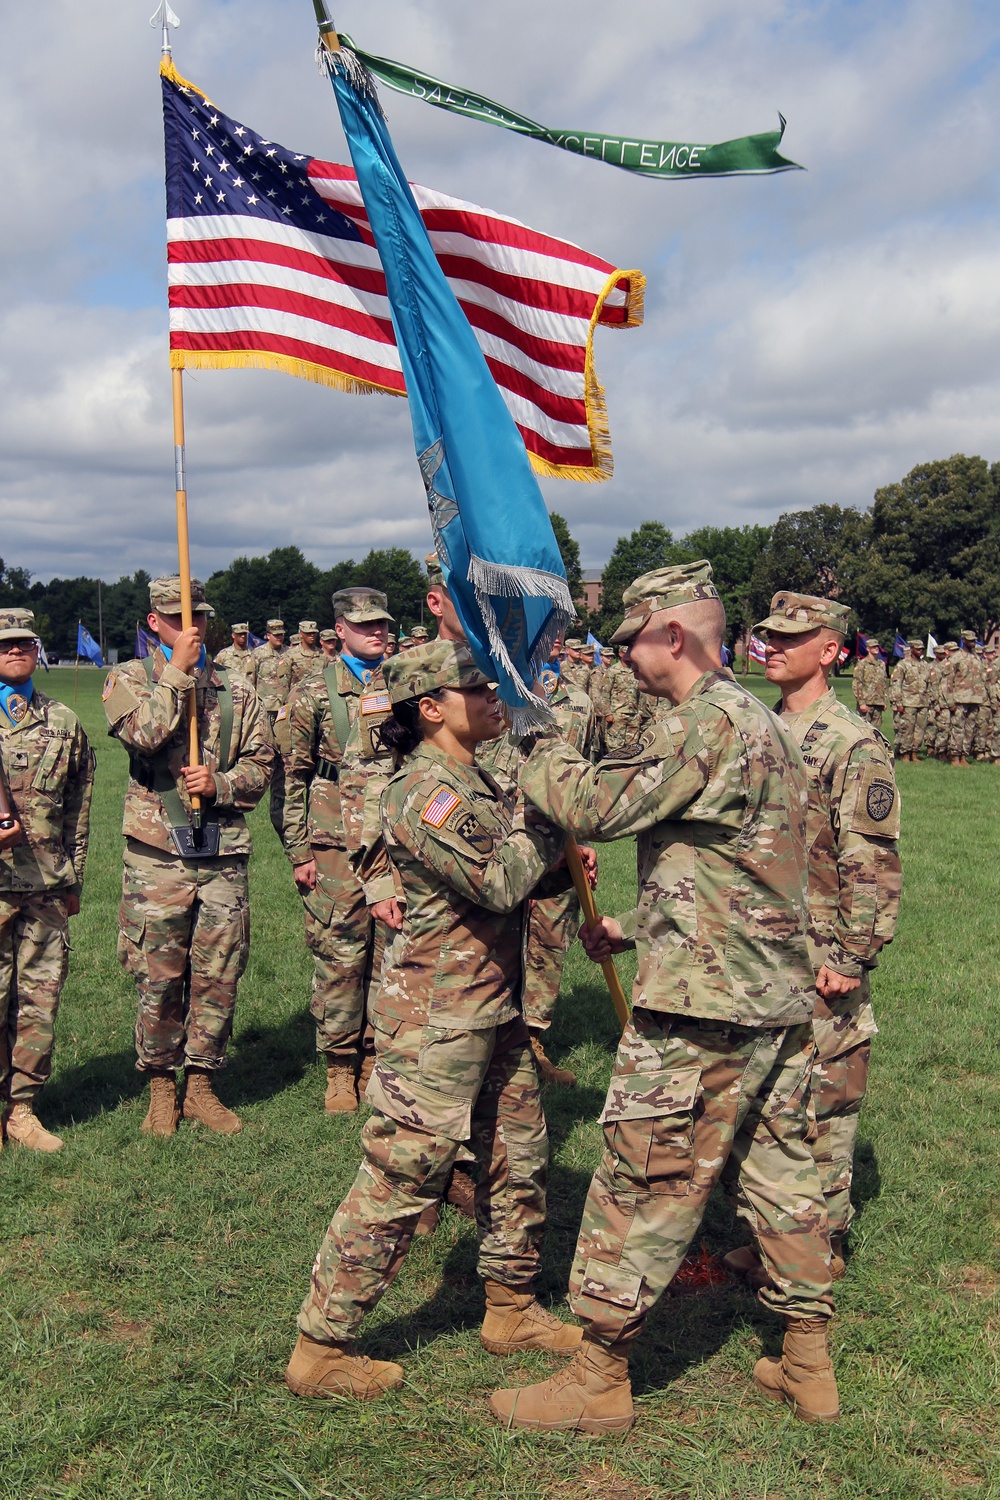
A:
16,706
440,808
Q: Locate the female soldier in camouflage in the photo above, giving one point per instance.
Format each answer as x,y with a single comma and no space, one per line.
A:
453,1059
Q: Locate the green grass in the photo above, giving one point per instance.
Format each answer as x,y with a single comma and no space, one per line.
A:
150,1288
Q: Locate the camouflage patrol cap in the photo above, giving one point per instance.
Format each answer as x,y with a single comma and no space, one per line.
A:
165,596
359,606
873,644
308,627
794,614
391,638
951,645
915,645
275,627
969,635
439,664
419,634
573,643
665,588
17,624
328,635
242,629
435,573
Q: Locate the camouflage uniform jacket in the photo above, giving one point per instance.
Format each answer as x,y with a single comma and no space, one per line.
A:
960,683
323,810
303,663
936,683
623,711
717,795
232,659
50,770
908,684
855,876
577,674
992,674
870,682
575,722
146,718
272,676
466,858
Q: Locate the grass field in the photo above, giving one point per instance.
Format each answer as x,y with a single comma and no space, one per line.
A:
150,1288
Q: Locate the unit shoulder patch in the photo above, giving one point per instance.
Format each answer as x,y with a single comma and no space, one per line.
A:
876,808
466,826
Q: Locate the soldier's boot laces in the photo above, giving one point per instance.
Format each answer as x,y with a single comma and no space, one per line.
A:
201,1104
550,1073
803,1376
23,1125
336,1370
341,1096
163,1114
514,1321
592,1394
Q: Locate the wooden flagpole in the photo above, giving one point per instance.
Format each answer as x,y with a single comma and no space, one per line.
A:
184,568
590,917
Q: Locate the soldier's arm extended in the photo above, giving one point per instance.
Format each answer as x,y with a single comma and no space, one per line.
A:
495,872
865,815
620,796
304,723
76,805
146,717
252,754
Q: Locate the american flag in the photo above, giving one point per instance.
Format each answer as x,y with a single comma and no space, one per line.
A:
272,263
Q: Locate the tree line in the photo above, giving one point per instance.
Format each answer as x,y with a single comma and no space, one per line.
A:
925,556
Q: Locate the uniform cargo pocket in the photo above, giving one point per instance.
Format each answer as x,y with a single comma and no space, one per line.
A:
648,1123
415,1104
615,1284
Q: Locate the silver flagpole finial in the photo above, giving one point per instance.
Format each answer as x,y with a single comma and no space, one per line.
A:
164,17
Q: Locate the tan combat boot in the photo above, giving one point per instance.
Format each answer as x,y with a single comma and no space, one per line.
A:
365,1072
201,1104
592,1394
335,1370
24,1125
341,1096
547,1069
837,1263
163,1114
461,1192
428,1221
803,1376
514,1321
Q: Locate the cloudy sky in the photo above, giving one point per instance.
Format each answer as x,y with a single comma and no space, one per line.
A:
808,336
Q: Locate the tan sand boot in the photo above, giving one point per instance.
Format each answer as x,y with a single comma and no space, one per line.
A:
162,1115
365,1072
24,1125
803,1376
746,1264
201,1104
592,1394
335,1370
428,1221
837,1263
461,1192
341,1096
547,1069
514,1320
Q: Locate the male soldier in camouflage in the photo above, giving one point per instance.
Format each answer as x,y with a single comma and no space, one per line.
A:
273,681
305,657
329,644
984,712
992,674
453,1061
184,923
964,690
871,685
908,695
575,668
852,831
939,715
390,645
627,714
713,1067
238,657
419,635
333,722
48,769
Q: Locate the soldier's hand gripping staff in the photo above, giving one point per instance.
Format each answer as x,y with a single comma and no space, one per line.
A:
453,1060
715,1060
46,780
184,923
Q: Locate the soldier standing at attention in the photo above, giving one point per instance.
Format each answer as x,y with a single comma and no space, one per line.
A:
855,877
574,668
963,690
305,657
329,645
390,645
273,681
453,1060
418,635
238,657
333,724
938,711
992,673
184,922
48,771
908,696
714,1063
871,685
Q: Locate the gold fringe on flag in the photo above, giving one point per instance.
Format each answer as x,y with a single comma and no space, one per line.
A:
264,359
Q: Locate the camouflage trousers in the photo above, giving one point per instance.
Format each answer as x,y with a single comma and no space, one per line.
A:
690,1103
963,730
909,728
873,714
938,738
34,958
985,734
184,936
552,925
346,945
432,1089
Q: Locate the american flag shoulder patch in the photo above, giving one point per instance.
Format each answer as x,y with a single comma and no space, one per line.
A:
375,703
441,806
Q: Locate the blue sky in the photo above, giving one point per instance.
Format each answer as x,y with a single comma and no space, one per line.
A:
808,336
